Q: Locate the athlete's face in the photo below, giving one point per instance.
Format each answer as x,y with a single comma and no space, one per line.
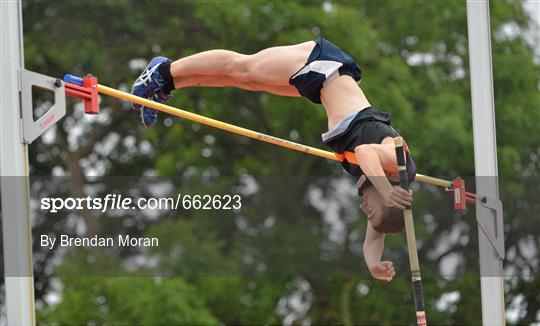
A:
372,205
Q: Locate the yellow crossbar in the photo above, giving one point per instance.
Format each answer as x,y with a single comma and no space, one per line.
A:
241,131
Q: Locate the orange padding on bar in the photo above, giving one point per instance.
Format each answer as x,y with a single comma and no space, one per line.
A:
346,156
351,157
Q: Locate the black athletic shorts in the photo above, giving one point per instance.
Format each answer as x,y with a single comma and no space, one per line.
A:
324,60
369,126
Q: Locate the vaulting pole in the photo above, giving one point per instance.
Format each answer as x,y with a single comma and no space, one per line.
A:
411,238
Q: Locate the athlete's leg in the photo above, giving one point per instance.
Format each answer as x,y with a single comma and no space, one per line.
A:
226,81
268,70
272,66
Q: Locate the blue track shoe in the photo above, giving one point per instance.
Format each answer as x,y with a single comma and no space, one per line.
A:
150,85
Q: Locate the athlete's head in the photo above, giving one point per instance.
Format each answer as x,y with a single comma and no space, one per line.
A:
383,219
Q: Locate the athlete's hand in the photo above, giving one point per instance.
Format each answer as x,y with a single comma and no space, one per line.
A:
398,198
383,271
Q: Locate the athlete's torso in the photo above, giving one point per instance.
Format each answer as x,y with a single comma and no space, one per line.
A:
341,97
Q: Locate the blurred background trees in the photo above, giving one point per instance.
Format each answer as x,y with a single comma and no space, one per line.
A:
293,253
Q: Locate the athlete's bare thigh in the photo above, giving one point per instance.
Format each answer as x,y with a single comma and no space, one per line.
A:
274,66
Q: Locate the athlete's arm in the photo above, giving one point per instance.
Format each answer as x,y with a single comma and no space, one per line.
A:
377,161
373,248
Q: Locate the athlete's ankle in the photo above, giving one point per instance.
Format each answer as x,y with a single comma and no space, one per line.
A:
165,71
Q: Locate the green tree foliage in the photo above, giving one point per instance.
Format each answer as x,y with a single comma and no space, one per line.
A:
285,257
128,301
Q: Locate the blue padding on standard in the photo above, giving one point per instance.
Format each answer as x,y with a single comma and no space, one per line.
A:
73,79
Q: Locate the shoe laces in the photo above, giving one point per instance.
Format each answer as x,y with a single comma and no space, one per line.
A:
146,76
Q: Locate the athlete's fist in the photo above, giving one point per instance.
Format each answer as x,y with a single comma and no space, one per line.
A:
383,271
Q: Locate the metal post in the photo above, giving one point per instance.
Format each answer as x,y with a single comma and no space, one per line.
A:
14,189
485,158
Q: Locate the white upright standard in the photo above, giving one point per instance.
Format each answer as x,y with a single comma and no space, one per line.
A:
485,158
18,273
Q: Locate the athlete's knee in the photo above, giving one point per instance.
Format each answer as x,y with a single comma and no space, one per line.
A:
242,68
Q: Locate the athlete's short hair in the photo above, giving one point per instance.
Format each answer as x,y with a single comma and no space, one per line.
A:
392,221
